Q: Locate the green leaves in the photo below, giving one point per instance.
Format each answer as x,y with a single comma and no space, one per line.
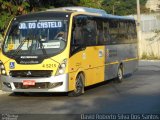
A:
91,3
123,7
118,7
11,8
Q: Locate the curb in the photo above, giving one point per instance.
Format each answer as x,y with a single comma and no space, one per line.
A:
149,60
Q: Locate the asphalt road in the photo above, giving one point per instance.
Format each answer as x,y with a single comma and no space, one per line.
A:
139,93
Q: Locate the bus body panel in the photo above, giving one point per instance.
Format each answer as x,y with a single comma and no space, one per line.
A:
90,62
47,64
12,84
125,54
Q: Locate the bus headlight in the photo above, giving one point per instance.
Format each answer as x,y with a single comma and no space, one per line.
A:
2,68
62,67
3,72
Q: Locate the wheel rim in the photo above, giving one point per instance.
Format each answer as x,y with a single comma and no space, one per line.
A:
79,84
120,74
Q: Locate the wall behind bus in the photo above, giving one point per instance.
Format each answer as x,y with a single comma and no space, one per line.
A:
150,42
150,45
150,37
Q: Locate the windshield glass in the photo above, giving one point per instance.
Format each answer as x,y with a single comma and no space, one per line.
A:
36,37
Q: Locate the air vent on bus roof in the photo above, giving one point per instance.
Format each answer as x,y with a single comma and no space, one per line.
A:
80,9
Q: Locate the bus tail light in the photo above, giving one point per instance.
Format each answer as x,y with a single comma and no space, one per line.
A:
2,68
62,67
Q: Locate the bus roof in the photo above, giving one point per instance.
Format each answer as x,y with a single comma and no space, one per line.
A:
63,11
79,9
46,14
90,10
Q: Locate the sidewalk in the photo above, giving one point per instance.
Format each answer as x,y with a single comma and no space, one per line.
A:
150,60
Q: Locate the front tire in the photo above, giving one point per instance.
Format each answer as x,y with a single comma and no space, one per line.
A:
79,86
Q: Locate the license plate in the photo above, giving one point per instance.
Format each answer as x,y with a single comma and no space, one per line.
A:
28,82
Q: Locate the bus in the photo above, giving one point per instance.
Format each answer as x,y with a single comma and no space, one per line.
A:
67,49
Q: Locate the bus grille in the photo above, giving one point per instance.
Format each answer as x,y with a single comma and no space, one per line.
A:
31,73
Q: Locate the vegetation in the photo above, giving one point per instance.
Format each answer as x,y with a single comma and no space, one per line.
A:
123,7
150,56
11,8
153,51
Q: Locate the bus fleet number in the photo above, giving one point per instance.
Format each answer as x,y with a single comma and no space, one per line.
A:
48,65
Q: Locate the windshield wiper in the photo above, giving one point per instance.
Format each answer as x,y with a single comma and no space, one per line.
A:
42,47
44,50
19,47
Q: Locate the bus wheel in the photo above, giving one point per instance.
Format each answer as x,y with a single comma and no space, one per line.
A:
120,74
79,86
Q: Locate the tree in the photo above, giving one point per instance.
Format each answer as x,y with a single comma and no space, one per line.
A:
123,7
91,3
11,8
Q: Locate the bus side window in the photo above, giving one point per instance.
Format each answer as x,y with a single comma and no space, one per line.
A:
89,32
77,41
130,32
123,38
114,31
100,32
107,38
77,31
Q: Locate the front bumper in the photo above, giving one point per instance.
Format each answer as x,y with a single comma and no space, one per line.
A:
9,84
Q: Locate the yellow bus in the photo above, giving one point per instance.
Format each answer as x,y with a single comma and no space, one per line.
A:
67,49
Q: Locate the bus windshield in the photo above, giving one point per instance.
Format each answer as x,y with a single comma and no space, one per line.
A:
36,37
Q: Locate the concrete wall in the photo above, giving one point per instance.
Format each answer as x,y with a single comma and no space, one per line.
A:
150,45
150,38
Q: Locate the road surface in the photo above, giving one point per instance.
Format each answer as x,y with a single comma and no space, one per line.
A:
139,93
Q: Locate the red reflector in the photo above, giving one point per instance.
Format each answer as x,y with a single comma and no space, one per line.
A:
28,82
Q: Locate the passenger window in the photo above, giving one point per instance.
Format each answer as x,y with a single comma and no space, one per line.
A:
122,37
77,31
78,39
100,33
132,32
89,32
114,30
107,37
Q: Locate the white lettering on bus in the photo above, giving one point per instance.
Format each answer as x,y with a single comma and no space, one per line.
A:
22,26
32,25
49,24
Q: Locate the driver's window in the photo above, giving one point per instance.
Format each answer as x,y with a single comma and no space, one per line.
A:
77,30
77,41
